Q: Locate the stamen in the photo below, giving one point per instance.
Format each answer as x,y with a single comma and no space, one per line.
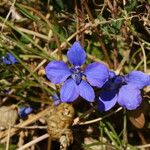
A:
76,74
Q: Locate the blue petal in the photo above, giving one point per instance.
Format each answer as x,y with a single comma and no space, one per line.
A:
9,59
69,91
28,110
25,111
107,99
57,71
129,97
76,54
56,99
96,74
138,78
112,74
119,80
86,91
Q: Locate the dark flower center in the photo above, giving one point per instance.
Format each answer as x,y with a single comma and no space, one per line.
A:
76,74
115,83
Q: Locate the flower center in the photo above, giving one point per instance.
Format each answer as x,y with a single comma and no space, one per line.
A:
115,83
76,74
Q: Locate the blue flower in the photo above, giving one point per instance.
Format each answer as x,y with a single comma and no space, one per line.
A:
123,89
9,59
24,111
72,78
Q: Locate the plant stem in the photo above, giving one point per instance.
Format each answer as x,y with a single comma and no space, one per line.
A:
125,140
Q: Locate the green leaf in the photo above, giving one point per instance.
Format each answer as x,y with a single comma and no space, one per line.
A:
24,40
131,5
26,13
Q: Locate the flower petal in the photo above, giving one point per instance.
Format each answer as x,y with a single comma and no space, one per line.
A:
129,97
107,99
56,99
86,91
138,78
69,91
96,74
57,71
9,59
25,111
76,54
112,74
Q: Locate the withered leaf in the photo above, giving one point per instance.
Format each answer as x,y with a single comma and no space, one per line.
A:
8,115
137,120
137,117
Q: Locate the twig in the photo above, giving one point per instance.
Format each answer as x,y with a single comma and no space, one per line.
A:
144,56
33,33
139,64
40,64
23,124
143,146
98,36
8,137
49,143
77,19
99,119
37,34
82,22
125,139
125,58
10,92
93,58
10,11
30,127
34,141
142,138
85,27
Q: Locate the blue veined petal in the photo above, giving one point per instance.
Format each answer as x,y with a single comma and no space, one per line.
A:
129,97
96,74
86,91
57,71
69,91
138,78
9,59
107,99
76,54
